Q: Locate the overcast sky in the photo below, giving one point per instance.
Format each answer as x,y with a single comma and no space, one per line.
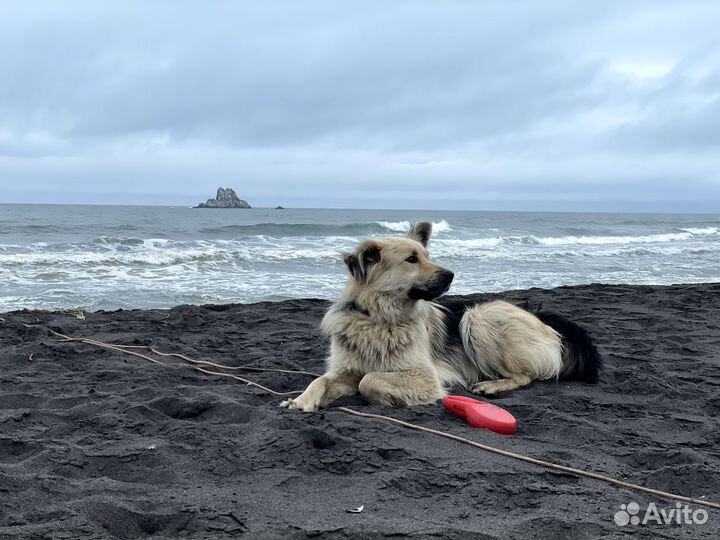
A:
478,105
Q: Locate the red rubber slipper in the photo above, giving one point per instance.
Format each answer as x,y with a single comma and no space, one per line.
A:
480,414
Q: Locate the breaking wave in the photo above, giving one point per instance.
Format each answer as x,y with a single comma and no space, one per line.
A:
404,226
280,230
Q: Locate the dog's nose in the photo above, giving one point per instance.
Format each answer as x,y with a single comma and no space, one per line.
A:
447,275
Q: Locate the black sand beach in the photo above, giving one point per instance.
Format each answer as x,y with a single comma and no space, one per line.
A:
98,444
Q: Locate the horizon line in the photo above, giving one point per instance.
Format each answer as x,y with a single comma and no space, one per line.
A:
369,209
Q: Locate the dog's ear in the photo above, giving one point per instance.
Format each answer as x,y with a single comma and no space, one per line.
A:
353,265
421,232
360,262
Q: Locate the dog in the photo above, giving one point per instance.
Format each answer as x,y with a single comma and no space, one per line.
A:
396,343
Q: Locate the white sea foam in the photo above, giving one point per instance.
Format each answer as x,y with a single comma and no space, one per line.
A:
152,254
397,226
702,231
160,252
404,226
459,247
604,240
441,226
150,257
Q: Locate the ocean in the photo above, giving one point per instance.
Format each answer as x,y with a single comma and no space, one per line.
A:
110,257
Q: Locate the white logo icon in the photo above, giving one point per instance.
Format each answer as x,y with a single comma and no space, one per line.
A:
628,514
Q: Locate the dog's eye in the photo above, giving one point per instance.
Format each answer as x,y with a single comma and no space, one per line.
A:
412,259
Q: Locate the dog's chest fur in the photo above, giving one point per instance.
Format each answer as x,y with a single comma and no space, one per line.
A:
363,344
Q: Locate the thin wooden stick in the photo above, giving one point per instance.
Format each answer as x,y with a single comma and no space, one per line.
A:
196,368
238,368
246,381
119,347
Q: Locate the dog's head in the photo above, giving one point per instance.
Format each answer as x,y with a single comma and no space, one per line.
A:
399,266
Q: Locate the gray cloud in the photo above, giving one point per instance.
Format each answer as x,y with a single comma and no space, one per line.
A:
559,106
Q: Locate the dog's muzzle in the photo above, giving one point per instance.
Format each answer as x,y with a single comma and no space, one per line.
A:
437,286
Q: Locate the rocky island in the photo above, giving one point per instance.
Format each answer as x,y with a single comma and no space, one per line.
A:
225,198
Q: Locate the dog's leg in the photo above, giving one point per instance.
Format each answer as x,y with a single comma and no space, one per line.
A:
407,387
490,388
323,391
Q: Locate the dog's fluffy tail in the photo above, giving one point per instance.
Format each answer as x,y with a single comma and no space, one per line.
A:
581,359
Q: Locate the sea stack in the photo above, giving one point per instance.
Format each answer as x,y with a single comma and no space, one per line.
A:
225,198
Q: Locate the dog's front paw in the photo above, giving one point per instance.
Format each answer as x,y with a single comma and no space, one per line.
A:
298,404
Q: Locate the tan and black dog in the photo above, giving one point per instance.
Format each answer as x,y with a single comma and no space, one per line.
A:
392,342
